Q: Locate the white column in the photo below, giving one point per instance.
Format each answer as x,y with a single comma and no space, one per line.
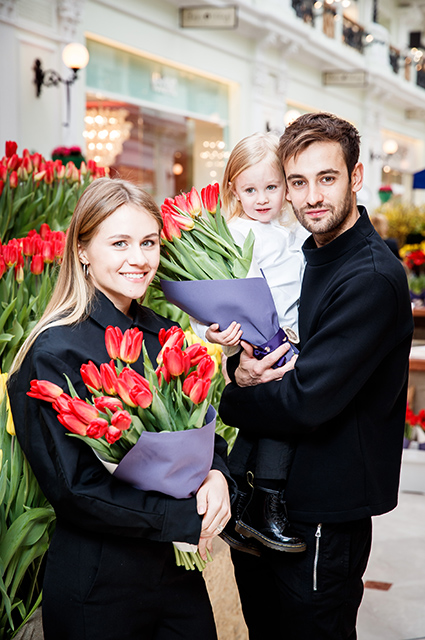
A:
9,114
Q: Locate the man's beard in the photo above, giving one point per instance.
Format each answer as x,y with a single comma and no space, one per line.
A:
329,228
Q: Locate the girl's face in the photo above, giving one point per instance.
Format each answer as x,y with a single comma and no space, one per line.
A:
260,189
123,256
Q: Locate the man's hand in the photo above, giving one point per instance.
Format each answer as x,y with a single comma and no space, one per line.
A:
251,371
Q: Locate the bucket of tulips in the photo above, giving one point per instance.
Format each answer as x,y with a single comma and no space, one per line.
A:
155,431
204,272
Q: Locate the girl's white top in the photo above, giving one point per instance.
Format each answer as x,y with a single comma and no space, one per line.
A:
277,251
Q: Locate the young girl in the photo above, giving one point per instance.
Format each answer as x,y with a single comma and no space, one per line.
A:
253,193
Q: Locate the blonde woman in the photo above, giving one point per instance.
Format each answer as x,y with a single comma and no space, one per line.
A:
110,570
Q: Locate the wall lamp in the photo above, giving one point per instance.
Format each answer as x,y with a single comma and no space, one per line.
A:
75,56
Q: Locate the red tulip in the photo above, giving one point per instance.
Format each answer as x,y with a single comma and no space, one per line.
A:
72,423
1,186
121,420
173,337
174,221
97,428
196,388
112,434
11,148
210,195
3,172
206,368
141,395
113,339
194,204
196,352
132,378
170,228
106,402
36,160
123,390
83,410
131,345
44,390
91,376
175,361
13,162
162,374
37,264
109,378
10,254
28,246
180,201
44,231
50,175
48,251
61,404
59,248
3,267
27,164
13,180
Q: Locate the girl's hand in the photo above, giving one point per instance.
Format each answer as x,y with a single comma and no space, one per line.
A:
213,502
230,337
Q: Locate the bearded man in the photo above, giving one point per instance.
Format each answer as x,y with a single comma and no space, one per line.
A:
343,400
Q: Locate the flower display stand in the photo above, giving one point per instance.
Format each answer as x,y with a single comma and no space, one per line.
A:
413,469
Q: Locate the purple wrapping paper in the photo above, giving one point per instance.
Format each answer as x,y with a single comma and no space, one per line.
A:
246,300
173,462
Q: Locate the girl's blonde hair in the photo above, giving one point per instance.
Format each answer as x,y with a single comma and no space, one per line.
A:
248,152
73,292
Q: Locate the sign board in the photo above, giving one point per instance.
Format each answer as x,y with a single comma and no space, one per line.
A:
345,78
415,114
209,17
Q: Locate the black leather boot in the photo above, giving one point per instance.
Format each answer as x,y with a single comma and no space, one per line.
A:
265,520
234,539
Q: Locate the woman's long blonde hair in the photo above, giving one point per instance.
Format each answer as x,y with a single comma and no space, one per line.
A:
73,292
248,152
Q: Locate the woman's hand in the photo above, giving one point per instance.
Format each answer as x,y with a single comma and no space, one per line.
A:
230,337
213,502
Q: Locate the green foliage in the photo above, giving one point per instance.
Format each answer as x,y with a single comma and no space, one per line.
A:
26,521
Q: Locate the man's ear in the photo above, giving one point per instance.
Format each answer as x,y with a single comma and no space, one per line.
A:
357,177
287,196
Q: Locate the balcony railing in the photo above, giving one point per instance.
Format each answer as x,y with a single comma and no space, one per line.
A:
335,25
353,34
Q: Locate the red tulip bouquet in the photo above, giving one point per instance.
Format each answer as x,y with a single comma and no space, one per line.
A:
156,431
207,274
28,267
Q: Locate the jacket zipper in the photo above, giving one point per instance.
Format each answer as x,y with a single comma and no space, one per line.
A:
318,535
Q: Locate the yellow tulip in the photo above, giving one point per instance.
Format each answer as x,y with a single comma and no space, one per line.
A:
10,427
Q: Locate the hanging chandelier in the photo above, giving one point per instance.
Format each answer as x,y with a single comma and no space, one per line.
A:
106,131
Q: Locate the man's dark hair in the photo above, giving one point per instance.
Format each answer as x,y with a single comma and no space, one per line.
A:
320,127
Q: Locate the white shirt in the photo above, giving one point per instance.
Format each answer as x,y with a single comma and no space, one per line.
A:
277,251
